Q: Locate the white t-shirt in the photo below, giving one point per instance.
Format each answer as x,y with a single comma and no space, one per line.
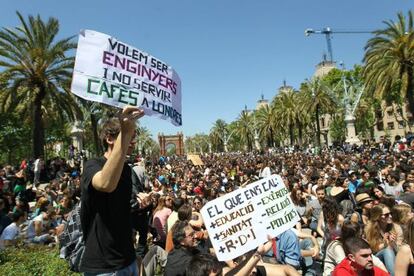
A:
265,172
10,233
31,232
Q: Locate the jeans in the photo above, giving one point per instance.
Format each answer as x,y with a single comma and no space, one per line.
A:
131,270
387,256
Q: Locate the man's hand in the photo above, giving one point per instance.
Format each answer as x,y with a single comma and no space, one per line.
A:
128,117
144,200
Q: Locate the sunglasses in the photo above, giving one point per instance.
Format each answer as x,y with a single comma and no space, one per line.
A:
387,215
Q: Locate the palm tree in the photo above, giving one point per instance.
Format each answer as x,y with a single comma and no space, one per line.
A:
318,100
38,71
244,129
218,134
389,59
285,106
266,121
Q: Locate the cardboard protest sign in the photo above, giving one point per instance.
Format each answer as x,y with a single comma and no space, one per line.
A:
195,159
112,72
241,220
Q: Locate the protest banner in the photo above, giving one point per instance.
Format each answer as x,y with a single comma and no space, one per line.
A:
241,220
112,72
195,159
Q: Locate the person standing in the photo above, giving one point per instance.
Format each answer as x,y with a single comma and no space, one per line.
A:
38,166
105,202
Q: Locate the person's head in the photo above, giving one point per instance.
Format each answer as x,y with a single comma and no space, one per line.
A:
401,213
42,203
320,193
183,235
349,230
378,191
359,253
364,201
169,201
177,203
203,264
110,130
352,176
185,212
393,177
296,195
18,217
408,186
197,203
381,215
183,195
331,210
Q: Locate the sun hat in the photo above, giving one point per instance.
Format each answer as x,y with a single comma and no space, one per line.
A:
362,198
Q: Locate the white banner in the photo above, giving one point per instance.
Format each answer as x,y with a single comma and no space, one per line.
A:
112,72
241,220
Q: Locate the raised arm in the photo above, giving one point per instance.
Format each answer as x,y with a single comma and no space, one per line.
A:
107,179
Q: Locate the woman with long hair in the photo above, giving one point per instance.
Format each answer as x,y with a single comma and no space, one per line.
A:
383,235
330,220
161,214
401,215
404,263
299,201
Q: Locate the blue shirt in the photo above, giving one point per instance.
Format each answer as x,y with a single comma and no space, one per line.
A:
352,186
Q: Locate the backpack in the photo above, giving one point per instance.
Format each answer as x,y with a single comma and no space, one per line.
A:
71,242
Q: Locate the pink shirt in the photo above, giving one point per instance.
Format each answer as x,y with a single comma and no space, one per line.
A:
159,221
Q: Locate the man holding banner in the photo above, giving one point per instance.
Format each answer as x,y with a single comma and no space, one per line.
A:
105,211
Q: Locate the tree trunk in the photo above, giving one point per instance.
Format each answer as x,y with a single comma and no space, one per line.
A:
318,127
291,134
38,129
410,92
300,133
271,140
96,141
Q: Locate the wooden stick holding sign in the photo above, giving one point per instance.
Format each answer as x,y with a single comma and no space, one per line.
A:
241,220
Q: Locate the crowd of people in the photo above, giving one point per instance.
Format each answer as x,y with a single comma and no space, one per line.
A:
355,206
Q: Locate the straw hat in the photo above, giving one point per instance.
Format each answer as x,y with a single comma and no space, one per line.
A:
364,197
336,190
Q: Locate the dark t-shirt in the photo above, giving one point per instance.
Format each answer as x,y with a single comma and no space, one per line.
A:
105,219
178,260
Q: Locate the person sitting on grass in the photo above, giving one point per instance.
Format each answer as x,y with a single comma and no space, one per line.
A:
39,230
11,233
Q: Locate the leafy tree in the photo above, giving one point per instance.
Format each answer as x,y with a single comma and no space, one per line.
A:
389,59
38,73
218,133
244,129
285,106
319,100
266,123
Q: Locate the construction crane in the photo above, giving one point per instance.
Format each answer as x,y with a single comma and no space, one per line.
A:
328,35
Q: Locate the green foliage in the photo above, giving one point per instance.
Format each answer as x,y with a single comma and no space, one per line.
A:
14,139
337,129
38,260
36,74
389,60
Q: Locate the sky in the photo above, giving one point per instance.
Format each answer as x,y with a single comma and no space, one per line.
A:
227,52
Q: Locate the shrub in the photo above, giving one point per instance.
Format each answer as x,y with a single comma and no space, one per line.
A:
36,261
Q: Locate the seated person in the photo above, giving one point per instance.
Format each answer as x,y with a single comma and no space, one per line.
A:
185,243
358,260
40,230
12,231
